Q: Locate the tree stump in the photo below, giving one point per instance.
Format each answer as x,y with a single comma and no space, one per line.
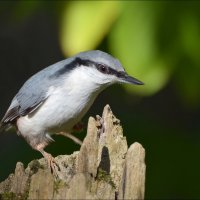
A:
104,168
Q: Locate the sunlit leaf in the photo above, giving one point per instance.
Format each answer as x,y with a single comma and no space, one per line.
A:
132,40
85,24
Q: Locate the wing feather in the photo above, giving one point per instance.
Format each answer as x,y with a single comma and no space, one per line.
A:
14,112
35,91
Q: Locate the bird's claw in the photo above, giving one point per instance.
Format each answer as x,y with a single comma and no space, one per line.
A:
52,164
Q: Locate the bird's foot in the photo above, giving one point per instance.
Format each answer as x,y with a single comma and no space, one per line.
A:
52,164
72,137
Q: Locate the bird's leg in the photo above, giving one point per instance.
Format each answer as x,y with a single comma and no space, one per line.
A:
49,158
72,137
77,128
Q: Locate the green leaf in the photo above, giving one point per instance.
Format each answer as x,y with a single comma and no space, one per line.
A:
85,24
133,41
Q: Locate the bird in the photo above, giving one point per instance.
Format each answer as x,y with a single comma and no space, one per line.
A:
56,98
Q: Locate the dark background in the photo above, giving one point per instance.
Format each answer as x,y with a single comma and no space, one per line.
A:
165,122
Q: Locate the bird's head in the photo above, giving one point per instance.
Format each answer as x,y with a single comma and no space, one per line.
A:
102,68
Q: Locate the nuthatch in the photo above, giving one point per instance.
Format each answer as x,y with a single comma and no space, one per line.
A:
56,98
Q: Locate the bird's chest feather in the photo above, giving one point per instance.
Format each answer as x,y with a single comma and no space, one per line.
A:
65,106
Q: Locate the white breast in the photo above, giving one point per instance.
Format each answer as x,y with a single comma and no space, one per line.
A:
64,107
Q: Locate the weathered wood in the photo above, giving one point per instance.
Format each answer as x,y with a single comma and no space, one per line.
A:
104,168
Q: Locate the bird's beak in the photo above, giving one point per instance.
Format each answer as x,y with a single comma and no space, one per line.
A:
129,79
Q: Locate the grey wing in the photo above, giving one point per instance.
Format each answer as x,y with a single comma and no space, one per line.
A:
35,91
11,115
21,108
30,98
26,101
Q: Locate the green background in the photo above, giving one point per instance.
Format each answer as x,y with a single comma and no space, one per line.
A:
157,42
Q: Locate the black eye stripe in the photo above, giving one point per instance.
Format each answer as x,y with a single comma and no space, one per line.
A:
99,66
121,74
103,68
108,70
80,61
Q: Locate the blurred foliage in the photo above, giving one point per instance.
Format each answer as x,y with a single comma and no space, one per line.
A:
154,40
86,23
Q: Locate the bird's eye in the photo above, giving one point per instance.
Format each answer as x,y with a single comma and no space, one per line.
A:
102,68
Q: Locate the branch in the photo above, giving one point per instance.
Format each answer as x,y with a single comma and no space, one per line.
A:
104,168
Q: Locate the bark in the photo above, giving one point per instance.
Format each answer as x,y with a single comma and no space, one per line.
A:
104,168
